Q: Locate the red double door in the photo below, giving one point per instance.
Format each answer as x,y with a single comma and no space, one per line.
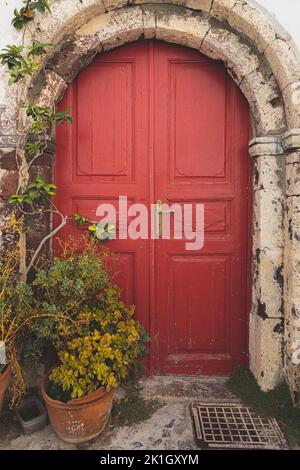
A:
160,122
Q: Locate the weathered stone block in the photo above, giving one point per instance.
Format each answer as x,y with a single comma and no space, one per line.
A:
245,18
48,87
268,286
293,179
266,353
72,56
291,96
8,158
268,173
115,28
186,28
265,100
8,183
237,56
291,142
268,219
67,16
204,5
284,62
149,22
114,4
265,146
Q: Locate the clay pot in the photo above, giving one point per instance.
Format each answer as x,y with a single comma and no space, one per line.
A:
4,381
80,419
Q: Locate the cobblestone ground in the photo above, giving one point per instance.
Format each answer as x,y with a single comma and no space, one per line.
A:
169,428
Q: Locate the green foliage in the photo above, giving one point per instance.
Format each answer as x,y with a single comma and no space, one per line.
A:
27,13
96,231
103,356
44,117
19,64
21,17
39,191
65,290
276,403
15,306
80,219
33,148
38,48
71,282
134,408
11,56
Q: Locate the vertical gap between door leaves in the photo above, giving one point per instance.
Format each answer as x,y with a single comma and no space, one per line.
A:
151,200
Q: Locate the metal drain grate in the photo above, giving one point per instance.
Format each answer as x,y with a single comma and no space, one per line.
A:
227,425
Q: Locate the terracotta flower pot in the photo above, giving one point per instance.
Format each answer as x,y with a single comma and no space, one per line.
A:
4,381
80,419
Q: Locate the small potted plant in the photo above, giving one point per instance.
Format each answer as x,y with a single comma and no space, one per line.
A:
96,338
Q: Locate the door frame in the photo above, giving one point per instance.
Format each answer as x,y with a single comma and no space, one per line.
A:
269,86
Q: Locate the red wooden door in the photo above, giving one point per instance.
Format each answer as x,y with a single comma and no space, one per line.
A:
201,136
156,121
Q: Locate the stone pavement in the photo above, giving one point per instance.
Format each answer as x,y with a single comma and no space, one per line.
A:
169,428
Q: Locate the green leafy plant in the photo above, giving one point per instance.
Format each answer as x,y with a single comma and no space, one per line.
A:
37,191
94,333
97,232
19,64
27,13
44,117
34,134
103,355
134,408
16,313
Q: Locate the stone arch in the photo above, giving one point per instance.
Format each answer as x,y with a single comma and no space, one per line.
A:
263,61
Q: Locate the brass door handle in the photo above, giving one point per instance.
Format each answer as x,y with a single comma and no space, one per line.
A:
159,213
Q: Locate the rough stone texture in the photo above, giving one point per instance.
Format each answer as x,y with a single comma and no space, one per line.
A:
149,22
291,142
266,323
43,88
188,29
265,100
8,183
285,61
170,428
123,26
8,158
249,20
292,263
223,45
204,5
205,389
114,4
266,359
8,106
73,55
291,96
66,16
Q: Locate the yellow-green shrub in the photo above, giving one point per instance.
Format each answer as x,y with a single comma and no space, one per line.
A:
102,356
83,320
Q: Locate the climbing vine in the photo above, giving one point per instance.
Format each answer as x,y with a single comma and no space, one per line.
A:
36,124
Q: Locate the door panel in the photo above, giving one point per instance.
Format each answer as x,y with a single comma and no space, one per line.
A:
157,121
201,136
104,154
194,91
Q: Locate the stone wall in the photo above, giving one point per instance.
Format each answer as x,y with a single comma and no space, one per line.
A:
262,60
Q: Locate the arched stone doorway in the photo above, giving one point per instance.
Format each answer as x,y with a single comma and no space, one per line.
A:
264,64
